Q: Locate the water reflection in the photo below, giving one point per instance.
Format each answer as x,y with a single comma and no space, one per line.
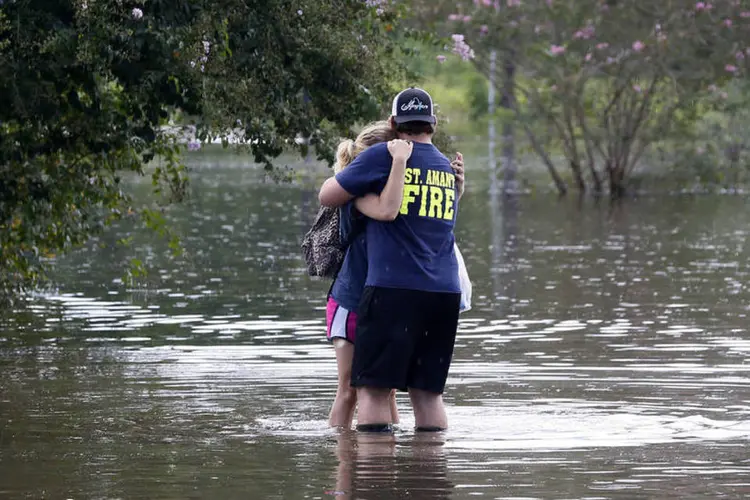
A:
372,466
505,265
606,355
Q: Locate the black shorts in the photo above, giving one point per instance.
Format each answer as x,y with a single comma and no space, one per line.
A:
405,339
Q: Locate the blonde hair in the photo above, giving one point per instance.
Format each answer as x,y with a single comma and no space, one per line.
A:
372,134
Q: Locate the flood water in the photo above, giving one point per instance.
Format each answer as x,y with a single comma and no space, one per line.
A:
607,356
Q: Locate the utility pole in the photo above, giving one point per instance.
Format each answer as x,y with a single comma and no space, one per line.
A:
491,99
508,101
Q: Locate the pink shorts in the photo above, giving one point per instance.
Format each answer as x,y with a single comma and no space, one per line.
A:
340,322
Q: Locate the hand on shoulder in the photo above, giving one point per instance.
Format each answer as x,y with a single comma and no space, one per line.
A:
400,149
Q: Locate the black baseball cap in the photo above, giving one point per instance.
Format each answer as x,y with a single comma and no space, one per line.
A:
413,105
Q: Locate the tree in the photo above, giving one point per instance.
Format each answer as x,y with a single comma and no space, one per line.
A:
87,87
608,78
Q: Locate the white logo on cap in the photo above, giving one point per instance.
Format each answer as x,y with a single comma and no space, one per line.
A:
414,105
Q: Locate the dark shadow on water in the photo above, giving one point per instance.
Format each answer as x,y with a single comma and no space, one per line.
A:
383,467
504,247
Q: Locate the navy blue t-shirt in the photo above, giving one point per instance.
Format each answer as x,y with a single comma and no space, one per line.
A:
415,251
350,282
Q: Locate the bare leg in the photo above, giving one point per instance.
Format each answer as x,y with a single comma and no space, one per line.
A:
429,410
374,406
342,410
394,408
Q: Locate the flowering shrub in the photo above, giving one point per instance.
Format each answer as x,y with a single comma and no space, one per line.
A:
608,77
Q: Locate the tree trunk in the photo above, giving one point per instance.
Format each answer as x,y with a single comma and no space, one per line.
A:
578,176
617,187
559,183
507,101
590,154
539,150
595,178
510,102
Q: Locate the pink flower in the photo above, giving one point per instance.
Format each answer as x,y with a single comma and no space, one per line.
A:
484,29
584,33
745,14
724,95
137,13
740,55
453,17
637,88
467,19
728,23
513,3
461,48
731,68
602,46
638,45
441,59
556,50
487,3
713,88
700,6
588,57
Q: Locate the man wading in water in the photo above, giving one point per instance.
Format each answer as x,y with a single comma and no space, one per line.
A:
408,314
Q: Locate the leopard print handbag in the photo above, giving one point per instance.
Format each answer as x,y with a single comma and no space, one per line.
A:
322,246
